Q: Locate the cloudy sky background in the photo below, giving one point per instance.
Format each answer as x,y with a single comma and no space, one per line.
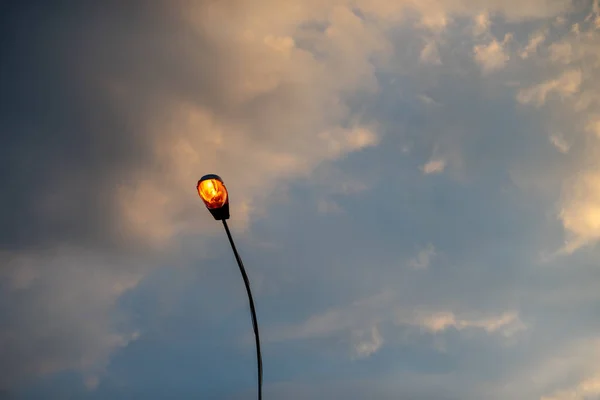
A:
415,190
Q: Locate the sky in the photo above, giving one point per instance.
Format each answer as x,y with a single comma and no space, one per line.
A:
414,189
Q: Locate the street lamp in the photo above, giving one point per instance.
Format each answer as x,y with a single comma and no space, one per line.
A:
214,194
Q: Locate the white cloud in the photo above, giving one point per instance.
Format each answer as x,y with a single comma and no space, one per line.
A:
365,312
328,207
580,214
587,389
534,42
492,56
507,324
360,318
593,125
558,141
566,85
574,60
430,53
435,21
567,371
482,24
367,342
560,20
426,99
434,166
424,258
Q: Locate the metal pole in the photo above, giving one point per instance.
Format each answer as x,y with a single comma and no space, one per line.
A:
252,309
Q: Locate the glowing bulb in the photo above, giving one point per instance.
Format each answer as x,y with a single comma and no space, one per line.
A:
213,192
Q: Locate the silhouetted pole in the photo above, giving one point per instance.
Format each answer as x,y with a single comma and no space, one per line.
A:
213,192
252,309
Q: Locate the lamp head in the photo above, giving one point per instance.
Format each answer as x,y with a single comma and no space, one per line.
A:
214,194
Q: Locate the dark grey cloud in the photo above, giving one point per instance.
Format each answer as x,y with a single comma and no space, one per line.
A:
65,144
69,136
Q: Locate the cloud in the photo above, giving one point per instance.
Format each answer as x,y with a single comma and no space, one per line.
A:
575,61
534,42
335,320
482,24
430,53
567,372
326,207
584,390
268,91
559,142
424,258
367,342
73,320
580,214
492,56
561,52
361,319
566,85
508,323
435,21
138,131
434,166
426,99
131,104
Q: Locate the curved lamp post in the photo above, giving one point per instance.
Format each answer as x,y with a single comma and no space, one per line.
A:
214,194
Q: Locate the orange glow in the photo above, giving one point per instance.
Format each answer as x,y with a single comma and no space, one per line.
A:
213,193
